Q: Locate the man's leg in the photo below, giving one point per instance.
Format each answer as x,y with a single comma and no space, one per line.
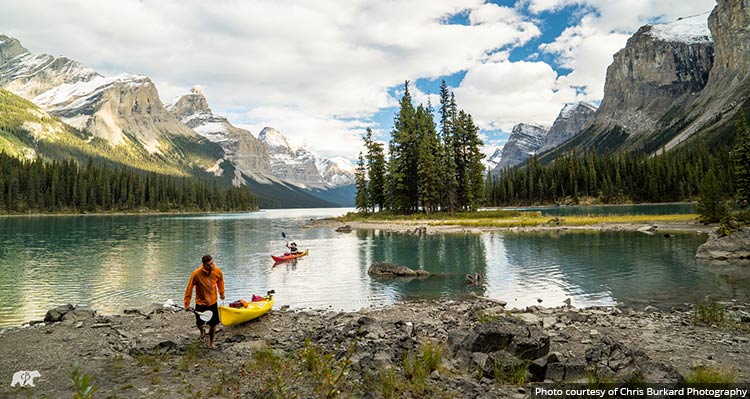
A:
202,329
211,335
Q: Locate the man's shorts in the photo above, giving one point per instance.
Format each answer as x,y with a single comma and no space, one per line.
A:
214,318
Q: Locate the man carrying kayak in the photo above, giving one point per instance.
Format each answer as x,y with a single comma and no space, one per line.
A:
206,279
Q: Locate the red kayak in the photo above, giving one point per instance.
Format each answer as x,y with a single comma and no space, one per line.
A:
289,256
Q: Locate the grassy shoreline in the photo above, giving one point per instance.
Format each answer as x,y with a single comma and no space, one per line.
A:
510,219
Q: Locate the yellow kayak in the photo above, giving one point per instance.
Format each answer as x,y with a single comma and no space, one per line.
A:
233,316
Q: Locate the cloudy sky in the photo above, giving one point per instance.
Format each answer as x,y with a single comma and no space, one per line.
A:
322,71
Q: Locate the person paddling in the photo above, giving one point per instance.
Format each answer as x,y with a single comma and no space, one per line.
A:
206,279
293,248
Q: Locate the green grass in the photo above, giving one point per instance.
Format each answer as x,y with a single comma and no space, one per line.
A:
83,385
710,375
390,216
516,374
507,219
709,312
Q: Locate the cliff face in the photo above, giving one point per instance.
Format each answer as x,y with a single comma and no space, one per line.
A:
650,86
730,26
524,141
728,86
249,154
568,123
653,74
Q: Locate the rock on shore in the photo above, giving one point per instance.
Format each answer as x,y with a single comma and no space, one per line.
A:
735,246
471,348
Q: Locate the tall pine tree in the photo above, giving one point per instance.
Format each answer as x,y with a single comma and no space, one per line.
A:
376,168
404,157
428,168
361,199
448,158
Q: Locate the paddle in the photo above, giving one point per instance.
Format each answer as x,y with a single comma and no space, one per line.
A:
284,235
205,316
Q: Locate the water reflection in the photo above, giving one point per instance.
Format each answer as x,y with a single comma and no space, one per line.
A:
118,262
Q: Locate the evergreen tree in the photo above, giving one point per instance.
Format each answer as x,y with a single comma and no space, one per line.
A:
376,168
361,200
404,157
711,204
741,157
428,168
447,119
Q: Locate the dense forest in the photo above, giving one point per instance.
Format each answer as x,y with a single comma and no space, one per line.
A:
610,178
64,186
430,167
679,175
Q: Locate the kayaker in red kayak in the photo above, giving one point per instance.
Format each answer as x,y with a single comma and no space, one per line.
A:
293,248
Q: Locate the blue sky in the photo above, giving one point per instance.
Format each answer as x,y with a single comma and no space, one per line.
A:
323,71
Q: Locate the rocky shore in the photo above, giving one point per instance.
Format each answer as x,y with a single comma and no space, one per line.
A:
473,348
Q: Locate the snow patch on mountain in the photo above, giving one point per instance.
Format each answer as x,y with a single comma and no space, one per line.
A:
78,94
494,159
274,138
303,168
689,30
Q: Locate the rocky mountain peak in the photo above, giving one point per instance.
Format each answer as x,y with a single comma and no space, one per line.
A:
10,48
571,120
524,141
491,162
29,75
274,139
191,103
246,152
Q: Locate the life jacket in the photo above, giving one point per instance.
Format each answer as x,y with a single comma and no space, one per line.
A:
258,298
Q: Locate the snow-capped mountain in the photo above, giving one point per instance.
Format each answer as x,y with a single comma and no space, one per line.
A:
336,171
491,162
571,120
121,110
302,167
524,141
29,75
248,153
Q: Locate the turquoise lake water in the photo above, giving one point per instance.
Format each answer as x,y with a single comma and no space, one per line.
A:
117,262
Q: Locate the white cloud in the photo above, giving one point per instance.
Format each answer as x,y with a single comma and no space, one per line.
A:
329,59
500,95
587,48
322,134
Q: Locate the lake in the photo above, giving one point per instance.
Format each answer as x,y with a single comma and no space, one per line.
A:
113,263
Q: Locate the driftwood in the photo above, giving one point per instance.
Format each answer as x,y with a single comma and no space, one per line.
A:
484,298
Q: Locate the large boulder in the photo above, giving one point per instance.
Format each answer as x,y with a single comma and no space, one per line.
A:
614,360
732,247
57,314
523,340
390,269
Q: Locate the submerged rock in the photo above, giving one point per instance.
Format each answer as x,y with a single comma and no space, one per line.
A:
390,269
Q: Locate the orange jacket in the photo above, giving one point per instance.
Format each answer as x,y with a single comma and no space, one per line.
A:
205,286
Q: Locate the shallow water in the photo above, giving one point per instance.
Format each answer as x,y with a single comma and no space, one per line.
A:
117,262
